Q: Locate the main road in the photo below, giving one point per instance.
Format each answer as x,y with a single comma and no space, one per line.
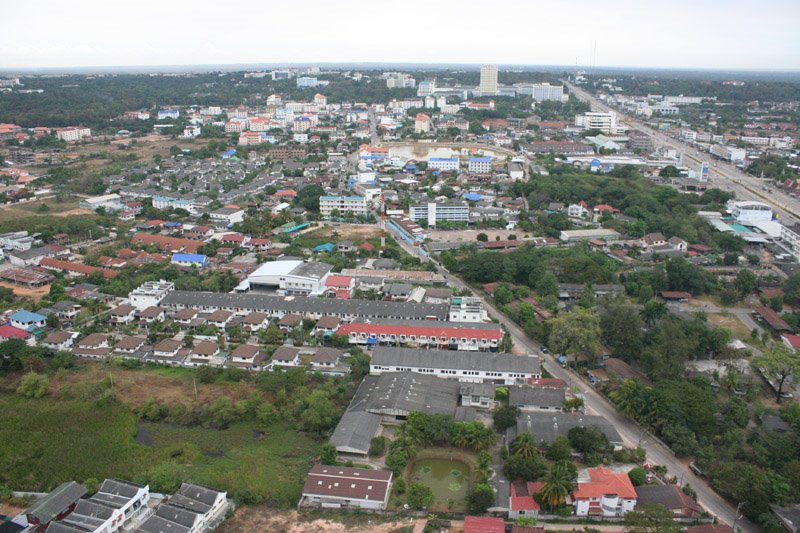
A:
724,175
631,432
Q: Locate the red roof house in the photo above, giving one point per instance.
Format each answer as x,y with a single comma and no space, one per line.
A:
484,524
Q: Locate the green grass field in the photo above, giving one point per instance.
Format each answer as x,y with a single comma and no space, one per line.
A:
45,442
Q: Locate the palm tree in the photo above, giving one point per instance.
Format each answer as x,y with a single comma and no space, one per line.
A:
559,482
524,445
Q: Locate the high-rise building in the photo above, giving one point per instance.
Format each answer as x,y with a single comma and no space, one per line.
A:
488,79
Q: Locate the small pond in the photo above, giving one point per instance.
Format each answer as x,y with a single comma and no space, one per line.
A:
449,480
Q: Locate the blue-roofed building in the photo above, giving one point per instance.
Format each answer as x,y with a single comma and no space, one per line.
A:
227,154
472,197
480,165
28,321
443,163
190,260
326,247
168,113
173,225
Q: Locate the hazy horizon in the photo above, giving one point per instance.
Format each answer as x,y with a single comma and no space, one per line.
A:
90,34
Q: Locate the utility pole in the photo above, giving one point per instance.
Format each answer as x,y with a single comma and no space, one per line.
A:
738,516
194,380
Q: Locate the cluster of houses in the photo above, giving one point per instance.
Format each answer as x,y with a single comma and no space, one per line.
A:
119,506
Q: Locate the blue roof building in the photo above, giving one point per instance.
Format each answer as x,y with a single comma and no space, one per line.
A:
327,247
472,196
227,154
196,260
28,321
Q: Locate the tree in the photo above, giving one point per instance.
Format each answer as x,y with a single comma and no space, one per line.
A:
319,413
359,365
419,496
480,498
33,385
576,334
745,282
669,171
588,440
559,449
779,364
482,237
505,417
308,197
528,469
621,325
524,445
558,484
654,518
272,335
328,455
653,311
266,414
637,476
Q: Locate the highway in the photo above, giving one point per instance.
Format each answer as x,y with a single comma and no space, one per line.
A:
631,432
723,175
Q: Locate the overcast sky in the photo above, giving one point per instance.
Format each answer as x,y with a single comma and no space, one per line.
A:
724,34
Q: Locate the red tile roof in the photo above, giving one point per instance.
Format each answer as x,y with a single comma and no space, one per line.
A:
772,318
339,281
78,268
10,332
420,331
522,494
604,482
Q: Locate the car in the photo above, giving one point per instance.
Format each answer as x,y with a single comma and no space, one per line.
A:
545,350
787,395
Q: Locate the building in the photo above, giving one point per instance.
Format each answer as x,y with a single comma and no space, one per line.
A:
607,235
227,215
745,212
608,494
150,294
288,277
467,309
484,524
355,431
488,84
422,123
444,164
193,509
729,153
56,504
114,507
433,212
395,395
357,205
27,320
341,487
593,120
476,367
168,114
190,260
423,334
521,500
544,92
73,134
670,496
480,165
790,238
537,398
307,81
546,426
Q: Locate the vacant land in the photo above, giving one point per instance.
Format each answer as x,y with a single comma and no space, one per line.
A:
27,292
54,208
731,322
471,235
266,519
51,440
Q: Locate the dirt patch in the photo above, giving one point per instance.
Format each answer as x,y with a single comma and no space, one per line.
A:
8,509
731,322
266,519
353,232
33,292
135,386
471,235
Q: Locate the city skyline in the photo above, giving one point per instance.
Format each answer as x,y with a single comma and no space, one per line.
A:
687,35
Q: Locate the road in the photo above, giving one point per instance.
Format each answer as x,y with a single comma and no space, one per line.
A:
631,432
723,175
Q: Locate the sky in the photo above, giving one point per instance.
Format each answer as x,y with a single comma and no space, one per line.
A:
696,34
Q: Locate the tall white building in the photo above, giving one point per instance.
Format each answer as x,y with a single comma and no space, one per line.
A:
150,294
432,212
73,134
544,92
488,79
355,204
605,122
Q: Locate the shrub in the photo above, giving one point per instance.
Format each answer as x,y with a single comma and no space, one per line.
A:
377,446
638,476
480,498
419,496
33,385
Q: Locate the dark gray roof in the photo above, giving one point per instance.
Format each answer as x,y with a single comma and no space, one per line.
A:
536,396
199,493
120,488
311,269
156,524
403,392
670,496
774,423
325,306
354,431
176,514
477,389
50,506
465,414
62,527
89,514
398,289
789,516
455,360
547,426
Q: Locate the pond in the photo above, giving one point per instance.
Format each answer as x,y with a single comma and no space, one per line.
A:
449,480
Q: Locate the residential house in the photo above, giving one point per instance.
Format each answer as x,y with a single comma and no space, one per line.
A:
219,318
202,353
168,352
94,346
152,314
671,497
129,346
326,325
529,398
477,395
59,340
57,504
123,314
66,310
328,361
285,356
27,321
521,502
484,524
607,494
248,356
255,321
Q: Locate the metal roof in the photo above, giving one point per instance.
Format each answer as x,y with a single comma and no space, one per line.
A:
455,360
